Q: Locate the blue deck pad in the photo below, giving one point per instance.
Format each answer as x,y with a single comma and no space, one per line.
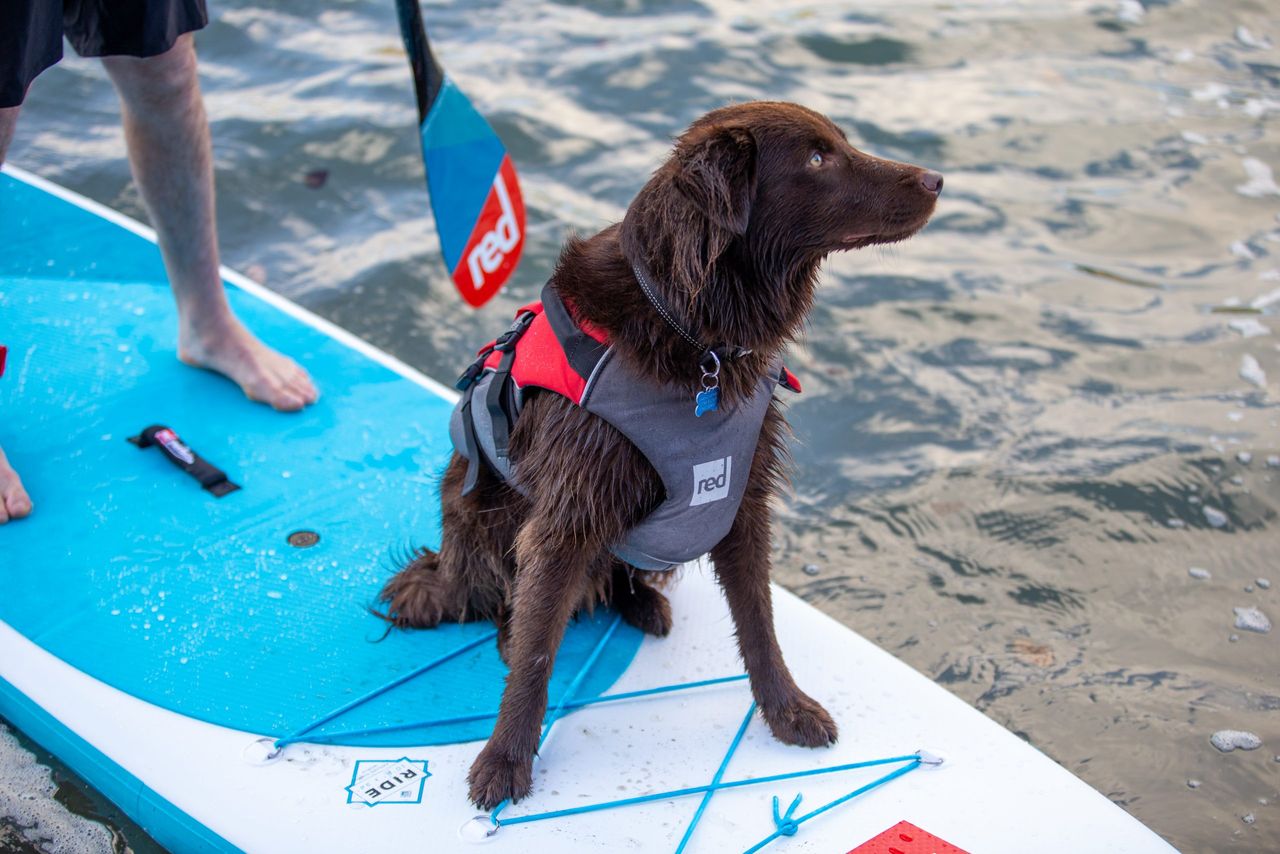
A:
130,572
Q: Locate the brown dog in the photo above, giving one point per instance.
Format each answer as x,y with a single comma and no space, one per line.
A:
732,229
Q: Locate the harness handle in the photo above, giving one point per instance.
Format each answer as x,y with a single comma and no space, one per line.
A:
211,478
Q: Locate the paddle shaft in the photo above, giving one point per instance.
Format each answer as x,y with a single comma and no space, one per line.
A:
428,76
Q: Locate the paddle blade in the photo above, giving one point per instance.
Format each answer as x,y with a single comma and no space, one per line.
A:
475,196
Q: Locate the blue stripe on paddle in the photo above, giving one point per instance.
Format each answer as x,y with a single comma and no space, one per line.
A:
462,155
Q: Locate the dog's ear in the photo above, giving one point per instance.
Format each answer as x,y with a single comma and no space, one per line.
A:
717,172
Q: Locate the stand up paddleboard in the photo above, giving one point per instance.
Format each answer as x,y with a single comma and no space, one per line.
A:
183,621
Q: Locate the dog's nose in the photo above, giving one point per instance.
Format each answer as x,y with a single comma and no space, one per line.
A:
931,181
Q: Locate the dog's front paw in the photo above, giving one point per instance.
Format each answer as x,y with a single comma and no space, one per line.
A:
495,778
802,722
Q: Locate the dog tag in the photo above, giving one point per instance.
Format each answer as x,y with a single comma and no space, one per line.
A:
708,400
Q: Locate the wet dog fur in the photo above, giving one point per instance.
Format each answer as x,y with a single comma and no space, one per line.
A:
733,228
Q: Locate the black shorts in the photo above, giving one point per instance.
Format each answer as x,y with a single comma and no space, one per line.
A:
31,33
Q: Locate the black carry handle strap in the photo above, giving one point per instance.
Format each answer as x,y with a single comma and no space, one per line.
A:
581,350
210,476
472,450
498,403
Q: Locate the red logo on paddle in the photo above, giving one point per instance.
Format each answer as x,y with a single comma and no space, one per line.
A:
491,254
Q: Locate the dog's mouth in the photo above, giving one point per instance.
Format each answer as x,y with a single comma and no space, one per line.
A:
892,232
854,241
858,241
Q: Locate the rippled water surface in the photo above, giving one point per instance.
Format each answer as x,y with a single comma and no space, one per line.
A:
1019,431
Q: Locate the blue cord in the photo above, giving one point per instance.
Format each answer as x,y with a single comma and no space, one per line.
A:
338,735
297,736
566,697
715,781
695,790
787,826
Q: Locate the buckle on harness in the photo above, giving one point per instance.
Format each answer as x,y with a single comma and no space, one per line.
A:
504,343
472,373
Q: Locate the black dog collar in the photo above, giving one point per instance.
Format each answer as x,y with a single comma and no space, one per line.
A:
712,355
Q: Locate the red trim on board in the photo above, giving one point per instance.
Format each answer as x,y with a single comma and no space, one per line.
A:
905,838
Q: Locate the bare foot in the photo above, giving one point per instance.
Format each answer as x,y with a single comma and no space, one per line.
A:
230,349
14,501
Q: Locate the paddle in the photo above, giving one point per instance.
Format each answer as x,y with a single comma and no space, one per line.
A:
475,194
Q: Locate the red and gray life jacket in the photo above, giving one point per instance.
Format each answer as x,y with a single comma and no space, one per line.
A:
703,460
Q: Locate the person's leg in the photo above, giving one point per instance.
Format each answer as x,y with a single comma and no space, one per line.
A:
8,121
30,41
170,152
14,501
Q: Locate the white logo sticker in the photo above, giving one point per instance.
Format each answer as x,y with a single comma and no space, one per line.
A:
711,481
387,781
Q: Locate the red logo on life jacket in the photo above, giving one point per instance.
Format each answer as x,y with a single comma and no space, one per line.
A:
491,254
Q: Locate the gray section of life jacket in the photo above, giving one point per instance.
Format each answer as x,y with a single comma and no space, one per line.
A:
484,430
703,462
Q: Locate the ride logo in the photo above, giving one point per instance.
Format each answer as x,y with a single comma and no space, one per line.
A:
387,781
496,241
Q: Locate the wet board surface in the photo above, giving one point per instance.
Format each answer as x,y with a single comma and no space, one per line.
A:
152,633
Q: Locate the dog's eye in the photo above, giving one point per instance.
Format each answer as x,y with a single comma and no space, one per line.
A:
815,159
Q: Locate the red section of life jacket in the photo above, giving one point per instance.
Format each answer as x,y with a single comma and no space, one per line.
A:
541,363
540,360
4,351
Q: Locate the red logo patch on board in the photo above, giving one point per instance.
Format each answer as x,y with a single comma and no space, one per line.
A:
905,838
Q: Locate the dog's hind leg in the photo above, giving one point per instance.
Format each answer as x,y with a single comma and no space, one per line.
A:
638,602
420,596
467,578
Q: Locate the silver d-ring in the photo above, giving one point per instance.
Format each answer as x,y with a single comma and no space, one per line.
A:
262,751
479,829
924,757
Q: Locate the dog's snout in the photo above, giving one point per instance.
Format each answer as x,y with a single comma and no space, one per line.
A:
931,181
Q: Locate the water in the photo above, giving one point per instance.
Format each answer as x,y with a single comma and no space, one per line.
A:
1019,432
